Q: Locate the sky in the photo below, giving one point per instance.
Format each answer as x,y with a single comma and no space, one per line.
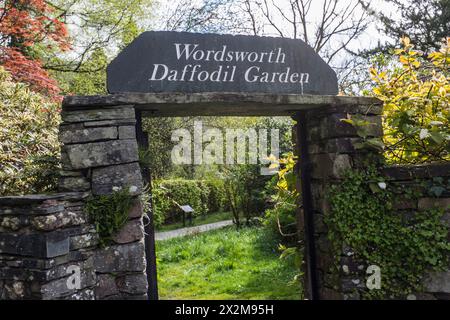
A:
164,8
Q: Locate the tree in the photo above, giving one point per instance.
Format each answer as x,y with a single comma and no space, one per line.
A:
328,26
328,30
26,28
217,16
99,29
426,23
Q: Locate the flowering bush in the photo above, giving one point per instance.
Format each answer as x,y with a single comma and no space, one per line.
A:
416,96
29,148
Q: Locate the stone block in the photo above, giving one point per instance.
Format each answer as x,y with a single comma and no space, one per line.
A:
87,135
106,286
429,203
13,223
83,241
127,132
339,145
63,270
47,245
132,284
134,297
105,113
125,175
333,127
69,173
28,210
136,211
73,184
423,171
97,154
132,231
85,294
109,123
56,221
61,287
120,258
437,282
330,165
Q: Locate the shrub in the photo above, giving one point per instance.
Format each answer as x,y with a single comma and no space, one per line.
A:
29,157
416,95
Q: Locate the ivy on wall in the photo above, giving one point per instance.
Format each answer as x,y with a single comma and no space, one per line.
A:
404,246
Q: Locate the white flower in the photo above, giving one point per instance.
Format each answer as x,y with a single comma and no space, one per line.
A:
436,123
424,134
132,189
382,185
115,188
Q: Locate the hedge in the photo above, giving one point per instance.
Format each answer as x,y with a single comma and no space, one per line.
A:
204,196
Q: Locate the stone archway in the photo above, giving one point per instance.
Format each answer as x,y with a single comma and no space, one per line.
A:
101,135
47,242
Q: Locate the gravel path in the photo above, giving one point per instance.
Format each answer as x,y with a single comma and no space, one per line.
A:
191,230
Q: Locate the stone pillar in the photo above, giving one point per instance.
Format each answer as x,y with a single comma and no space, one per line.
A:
100,153
331,152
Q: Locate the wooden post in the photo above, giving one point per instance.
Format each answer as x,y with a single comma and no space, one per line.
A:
305,211
150,251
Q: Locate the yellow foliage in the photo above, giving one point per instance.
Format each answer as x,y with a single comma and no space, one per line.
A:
416,96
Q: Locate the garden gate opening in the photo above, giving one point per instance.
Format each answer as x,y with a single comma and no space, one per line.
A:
189,74
167,74
322,140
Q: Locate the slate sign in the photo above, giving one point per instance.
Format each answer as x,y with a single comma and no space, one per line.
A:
187,208
165,61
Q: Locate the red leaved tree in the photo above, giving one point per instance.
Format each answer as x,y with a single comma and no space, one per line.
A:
25,24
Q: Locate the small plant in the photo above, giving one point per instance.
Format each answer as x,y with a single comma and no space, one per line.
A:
109,213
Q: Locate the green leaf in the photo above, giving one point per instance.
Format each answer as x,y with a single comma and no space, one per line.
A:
437,137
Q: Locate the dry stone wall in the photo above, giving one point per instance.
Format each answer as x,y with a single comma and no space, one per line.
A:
43,238
332,152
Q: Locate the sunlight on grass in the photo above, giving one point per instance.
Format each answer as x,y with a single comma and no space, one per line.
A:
225,264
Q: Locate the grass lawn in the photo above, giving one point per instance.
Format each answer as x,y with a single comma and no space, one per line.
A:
225,264
210,218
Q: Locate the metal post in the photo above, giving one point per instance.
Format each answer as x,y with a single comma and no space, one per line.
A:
149,229
303,170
